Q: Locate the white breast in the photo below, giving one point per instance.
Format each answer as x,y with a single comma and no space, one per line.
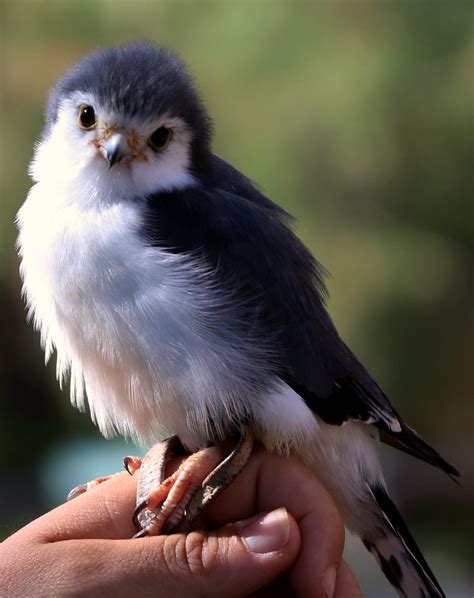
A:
134,325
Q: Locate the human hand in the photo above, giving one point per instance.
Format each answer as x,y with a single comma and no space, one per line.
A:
84,547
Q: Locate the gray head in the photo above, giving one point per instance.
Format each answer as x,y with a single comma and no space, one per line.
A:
129,115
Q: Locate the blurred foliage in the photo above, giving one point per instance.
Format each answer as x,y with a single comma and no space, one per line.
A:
357,118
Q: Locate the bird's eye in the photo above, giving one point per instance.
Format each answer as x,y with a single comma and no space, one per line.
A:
160,139
87,117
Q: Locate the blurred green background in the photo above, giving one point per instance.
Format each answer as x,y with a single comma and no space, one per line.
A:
357,118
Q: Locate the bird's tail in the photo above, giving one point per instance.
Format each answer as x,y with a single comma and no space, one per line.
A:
396,551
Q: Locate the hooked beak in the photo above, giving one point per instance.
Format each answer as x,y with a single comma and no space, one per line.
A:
115,148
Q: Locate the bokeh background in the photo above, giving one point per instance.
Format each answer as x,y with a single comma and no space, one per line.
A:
357,118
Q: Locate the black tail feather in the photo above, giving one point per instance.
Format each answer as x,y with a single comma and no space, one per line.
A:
398,554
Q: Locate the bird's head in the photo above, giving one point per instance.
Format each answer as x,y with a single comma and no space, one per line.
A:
125,120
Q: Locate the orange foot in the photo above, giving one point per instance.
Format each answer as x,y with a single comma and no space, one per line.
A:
164,505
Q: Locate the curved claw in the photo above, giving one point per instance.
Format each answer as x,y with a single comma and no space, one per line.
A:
131,464
138,509
77,491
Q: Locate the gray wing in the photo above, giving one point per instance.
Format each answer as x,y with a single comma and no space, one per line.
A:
248,241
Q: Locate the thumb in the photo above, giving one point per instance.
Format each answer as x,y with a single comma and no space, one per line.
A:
235,560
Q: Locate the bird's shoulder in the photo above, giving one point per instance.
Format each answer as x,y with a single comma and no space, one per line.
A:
234,226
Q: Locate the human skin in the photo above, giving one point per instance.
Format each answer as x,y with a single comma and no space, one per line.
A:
84,547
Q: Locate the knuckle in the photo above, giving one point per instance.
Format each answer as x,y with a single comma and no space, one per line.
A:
193,554
187,555
201,553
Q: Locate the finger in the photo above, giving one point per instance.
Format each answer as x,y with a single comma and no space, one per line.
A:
104,511
269,482
322,532
233,561
346,585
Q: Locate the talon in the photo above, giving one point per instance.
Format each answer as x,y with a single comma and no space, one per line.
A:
138,509
131,464
141,534
77,491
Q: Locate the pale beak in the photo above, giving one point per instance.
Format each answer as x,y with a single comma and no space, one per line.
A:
115,148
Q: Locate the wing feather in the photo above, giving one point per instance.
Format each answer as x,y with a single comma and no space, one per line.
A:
248,244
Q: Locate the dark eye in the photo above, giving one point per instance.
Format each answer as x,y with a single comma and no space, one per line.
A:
86,117
160,139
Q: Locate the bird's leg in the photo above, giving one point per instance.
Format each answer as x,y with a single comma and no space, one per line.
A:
131,464
177,501
220,478
152,475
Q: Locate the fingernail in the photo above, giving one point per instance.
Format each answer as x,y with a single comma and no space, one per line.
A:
267,533
329,581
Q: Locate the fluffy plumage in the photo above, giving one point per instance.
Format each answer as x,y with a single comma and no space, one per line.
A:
179,299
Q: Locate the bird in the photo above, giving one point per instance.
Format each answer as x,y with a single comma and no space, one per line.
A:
178,298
